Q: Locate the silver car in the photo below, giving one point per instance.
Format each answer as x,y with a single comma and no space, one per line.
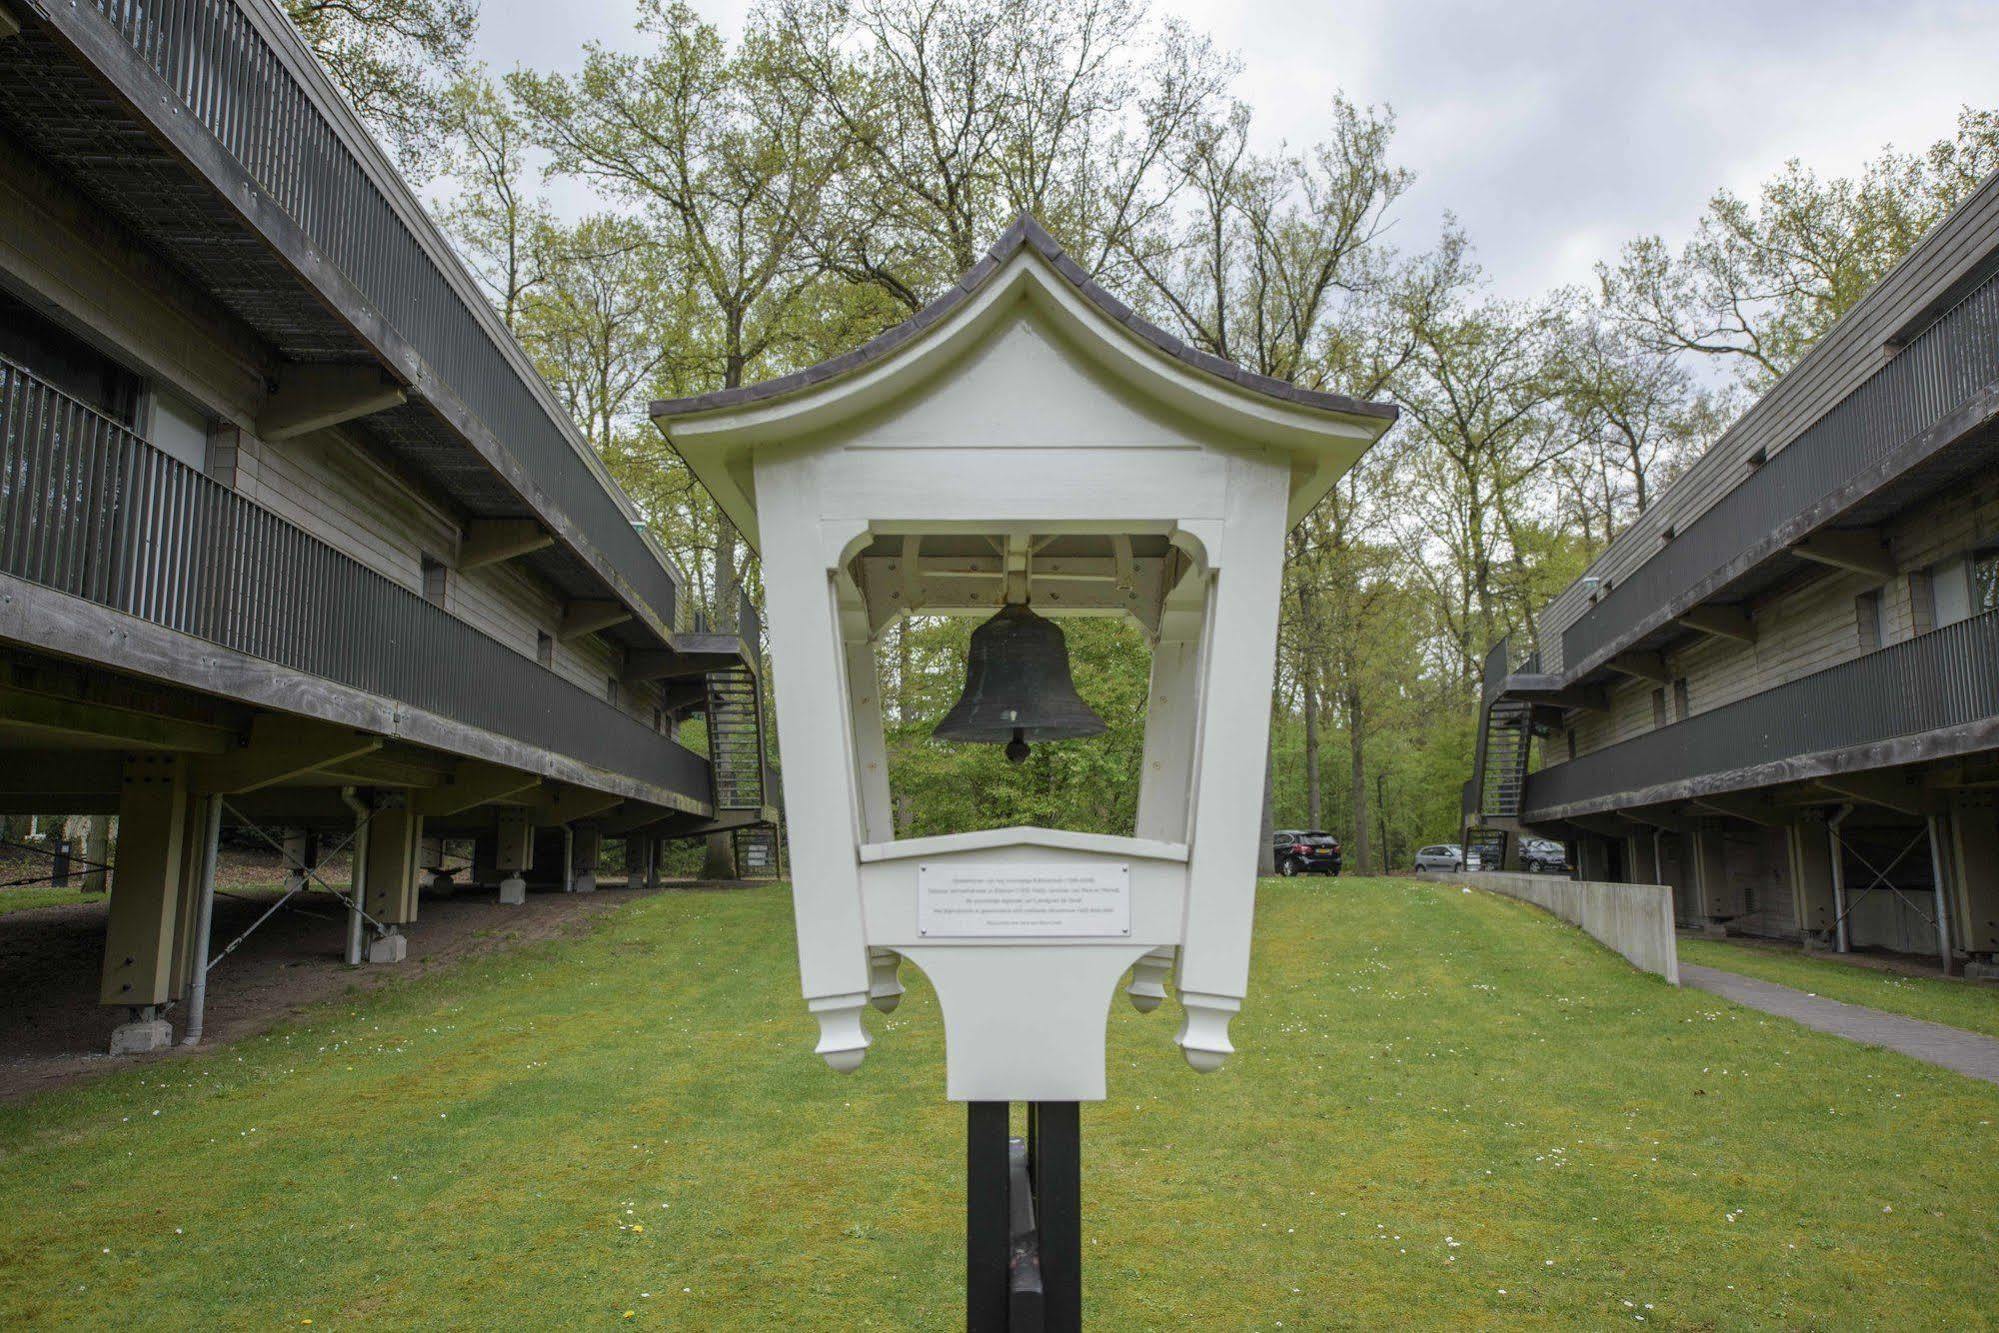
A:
1442,856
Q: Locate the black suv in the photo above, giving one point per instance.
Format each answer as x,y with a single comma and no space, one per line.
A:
1540,856
1297,852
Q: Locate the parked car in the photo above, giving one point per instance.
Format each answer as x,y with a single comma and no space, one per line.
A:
1443,856
1301,852
1542,856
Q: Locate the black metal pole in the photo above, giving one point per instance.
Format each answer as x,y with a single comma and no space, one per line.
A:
1058,1211
988,1228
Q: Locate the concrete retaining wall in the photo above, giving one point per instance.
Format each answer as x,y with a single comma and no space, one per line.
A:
1634,919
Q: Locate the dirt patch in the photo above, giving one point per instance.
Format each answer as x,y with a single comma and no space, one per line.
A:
53,1031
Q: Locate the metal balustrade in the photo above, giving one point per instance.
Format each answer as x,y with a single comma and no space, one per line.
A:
1937,372
235,85
1946,678
89,508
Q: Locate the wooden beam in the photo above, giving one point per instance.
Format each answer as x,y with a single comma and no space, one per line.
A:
50,782
1659,818
279,748
473,784
1588,698
590,614
9,25
1723,622
566,805
1642,666
1859,549
312,397
98,721
1755,809
1891,791
488,541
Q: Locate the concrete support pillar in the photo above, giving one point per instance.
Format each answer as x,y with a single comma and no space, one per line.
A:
1810,856
391,886
586,845
513,855
1641,862
301,849
193,864
97,853
1974,866
1718,893
139,931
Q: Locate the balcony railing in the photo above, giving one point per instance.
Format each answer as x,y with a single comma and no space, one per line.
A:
1946,678
90,509
239,88
1936,373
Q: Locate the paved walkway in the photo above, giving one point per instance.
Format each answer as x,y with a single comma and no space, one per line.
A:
1969,1053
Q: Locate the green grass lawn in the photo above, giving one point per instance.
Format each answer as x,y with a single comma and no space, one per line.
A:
1447,1110
1965,1004
21,899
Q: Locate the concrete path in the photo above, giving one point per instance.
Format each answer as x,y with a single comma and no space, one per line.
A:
1969,1053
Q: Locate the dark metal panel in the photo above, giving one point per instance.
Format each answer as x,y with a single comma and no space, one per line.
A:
293,234
1937,373
90,509
1946,679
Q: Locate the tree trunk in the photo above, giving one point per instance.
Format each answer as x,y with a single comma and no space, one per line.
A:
1357,750
1314,804
1266,860
1381,815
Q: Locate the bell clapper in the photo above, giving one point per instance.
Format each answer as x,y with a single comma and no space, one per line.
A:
1016,749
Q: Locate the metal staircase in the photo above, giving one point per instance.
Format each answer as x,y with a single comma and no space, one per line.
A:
735,738
757,855
1503,774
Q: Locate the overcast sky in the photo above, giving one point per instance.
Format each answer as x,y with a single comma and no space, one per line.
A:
1554,131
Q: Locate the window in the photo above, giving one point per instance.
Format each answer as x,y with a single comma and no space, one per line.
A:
1985,581
544,649
1682,703
47,350
436,576
1659,708
1572,744
176,427
1867,620
1950,590
610,689
659,719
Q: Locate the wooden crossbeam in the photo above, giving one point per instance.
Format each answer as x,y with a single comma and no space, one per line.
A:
312,397
1722,622
1642,666
590,614
1859,549
279,748
488,541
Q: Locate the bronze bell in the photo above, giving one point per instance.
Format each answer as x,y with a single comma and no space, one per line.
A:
1017,687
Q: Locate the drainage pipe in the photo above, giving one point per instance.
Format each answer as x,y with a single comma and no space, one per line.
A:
1838,875
357,877
204,920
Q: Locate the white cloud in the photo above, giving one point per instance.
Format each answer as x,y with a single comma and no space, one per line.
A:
1553,130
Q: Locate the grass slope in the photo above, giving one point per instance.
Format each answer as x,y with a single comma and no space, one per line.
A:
27,898
1447,1109
1972,1005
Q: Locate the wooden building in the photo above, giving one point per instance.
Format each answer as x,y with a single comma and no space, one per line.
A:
291,534
1778,689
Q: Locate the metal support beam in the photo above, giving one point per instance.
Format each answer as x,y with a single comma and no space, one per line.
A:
279,748
489,541
1754,809
1859,549
471,785
1642,666
587,615
1939,858
1891,791
311,397
1722,622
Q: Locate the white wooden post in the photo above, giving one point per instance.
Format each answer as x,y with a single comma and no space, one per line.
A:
1232,750
812,715
871,778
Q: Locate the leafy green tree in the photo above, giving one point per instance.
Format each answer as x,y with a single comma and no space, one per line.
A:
396,61
1761,280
